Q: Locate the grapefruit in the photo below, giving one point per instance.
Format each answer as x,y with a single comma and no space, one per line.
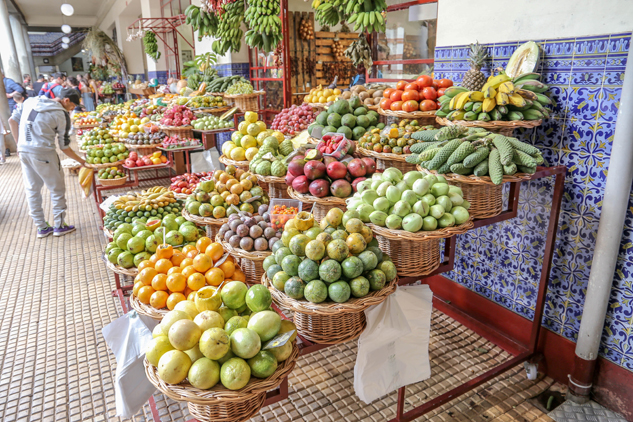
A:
214,343
173,366
245,343
235,374
204,373
157,348
184,334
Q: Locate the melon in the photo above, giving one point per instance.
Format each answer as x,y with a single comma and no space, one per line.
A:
524,59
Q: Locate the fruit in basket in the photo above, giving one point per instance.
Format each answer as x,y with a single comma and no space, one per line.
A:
214,343
110,173
146,137
204,373
474,78
177,115
320,95
348,117
294,119
395,139
104,154
211,123
173,366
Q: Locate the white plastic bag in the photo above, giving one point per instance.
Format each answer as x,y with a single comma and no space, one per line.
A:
393,351
208,160
128,337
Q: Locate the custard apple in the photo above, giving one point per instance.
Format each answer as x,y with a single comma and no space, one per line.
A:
278,169
265,149
263,168
253,164
286,147
272,142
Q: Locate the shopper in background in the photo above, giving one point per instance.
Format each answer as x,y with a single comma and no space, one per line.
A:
3,132
11,87
86,94
36,127
19,100
37,85
53,88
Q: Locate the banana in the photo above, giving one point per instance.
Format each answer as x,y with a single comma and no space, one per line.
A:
533,85
526,77
543,99
463,99
506,88
488,105
455,99
529,95
452,91
490,92
517,100
495,81
476,96
532,114
502,99
515,115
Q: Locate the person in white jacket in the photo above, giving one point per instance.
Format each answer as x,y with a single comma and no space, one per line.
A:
38,123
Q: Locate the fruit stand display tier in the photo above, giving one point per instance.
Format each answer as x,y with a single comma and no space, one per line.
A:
499,126
320,206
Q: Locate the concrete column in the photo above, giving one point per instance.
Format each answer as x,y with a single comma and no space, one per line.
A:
5,113
8,52
132,50
27,41
20,46
155,69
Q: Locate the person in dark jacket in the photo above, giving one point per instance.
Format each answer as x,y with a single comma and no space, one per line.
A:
12,87
37,85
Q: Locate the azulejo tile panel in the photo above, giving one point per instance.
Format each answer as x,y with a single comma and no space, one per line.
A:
585,75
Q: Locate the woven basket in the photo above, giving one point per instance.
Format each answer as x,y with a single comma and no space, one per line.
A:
104,166
143,149
182,196
386,160
246,102
182,131
251,262
276,186
415,254
407,115
112,182
321,205
132,272
238,164
329,322
221,404
498,126
147,310
213,224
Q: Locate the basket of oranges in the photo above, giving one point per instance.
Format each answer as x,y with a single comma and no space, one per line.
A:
170,277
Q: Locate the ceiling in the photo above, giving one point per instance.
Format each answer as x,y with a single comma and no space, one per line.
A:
47,13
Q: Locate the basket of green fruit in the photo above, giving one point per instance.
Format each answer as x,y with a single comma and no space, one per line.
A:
111,176
328,273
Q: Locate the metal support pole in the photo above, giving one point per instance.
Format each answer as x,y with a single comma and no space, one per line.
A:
8,52
614,209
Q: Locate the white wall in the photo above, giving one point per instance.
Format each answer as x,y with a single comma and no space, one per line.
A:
465,21
68,68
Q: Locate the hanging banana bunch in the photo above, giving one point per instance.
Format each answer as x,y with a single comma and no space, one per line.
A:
151,45
366,15
205,22
229,32
325,13
262,17
359,52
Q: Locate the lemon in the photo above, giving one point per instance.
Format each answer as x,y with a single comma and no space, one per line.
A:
125,127
236,136
279,136
251,152
253,129
248,141
337,91
242,127
226,149
322,99
261,125
331,98
327,92
250,117
238,154
134,129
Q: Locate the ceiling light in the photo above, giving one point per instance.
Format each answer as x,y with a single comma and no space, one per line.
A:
66,40
64,45
67,9
66,29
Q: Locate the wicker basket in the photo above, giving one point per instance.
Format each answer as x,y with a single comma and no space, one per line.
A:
486,198
407,115
143,149
329,322
220,404
181,131
112,182
104,166
321,206
276,186
386,160
415,254
498,126
246,102
132,272
147,310
251,262
182,196
238,164
212,224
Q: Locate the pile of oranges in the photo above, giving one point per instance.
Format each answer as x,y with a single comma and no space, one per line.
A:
171,276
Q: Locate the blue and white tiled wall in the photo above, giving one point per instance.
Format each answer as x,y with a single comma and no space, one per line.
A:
585,75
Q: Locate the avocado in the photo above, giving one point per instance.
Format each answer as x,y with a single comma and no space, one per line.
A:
363,121
322,118
373,120
354,102
329,129
373,113
334,119
346,131
349,120
358,132
360,111
340,106
312,127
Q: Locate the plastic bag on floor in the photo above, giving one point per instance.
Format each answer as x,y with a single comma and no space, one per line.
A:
393,351
128,337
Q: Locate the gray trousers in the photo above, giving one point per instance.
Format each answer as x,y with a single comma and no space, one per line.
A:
39,169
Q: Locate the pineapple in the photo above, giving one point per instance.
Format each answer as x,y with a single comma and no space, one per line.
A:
474,79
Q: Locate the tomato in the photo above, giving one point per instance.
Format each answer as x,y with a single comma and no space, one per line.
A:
429,93
438,105
410,106
413,86
435,84
401,85
385,104
424,80
396,106
445,83
440,92
428,105
411,95
387,92
396,95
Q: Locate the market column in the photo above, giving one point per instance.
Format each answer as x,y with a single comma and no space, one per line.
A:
10,62
20,46
155,69
27,41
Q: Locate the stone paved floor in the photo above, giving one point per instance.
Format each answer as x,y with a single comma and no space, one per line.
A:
55,366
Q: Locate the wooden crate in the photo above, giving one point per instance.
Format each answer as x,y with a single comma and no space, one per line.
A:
324,41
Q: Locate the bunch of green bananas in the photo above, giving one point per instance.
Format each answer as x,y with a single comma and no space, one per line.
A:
326,13
205,23
151,45
262,16
229,32
366,14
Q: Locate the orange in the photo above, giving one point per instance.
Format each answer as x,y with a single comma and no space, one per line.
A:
228,268
137,279
231,183
237,189
147,275
187,291
230,258
186,262
202,262
176,282
224,178
173,300
164,251
238,275
145,264
163,265
137,287
187,271
215,251
202,244
188,248
174,270
177,258
144,294
214,276
191,296
196,281
159,282
153,259
159,299
192,253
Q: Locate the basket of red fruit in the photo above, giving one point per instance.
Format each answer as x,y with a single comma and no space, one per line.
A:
414,100
290,121
177,121
178,141
184,184
118,87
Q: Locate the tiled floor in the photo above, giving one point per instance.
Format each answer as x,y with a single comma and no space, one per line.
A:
55,366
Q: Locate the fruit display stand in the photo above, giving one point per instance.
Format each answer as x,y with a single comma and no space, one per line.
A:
220,404
276,186
425,117
136,180
251,262
209,137
386,160
415,254
238,164
180,157
142,149
246,102
498,126
330,322
143,92
104,166
320,206
486,198
212,224
182,131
